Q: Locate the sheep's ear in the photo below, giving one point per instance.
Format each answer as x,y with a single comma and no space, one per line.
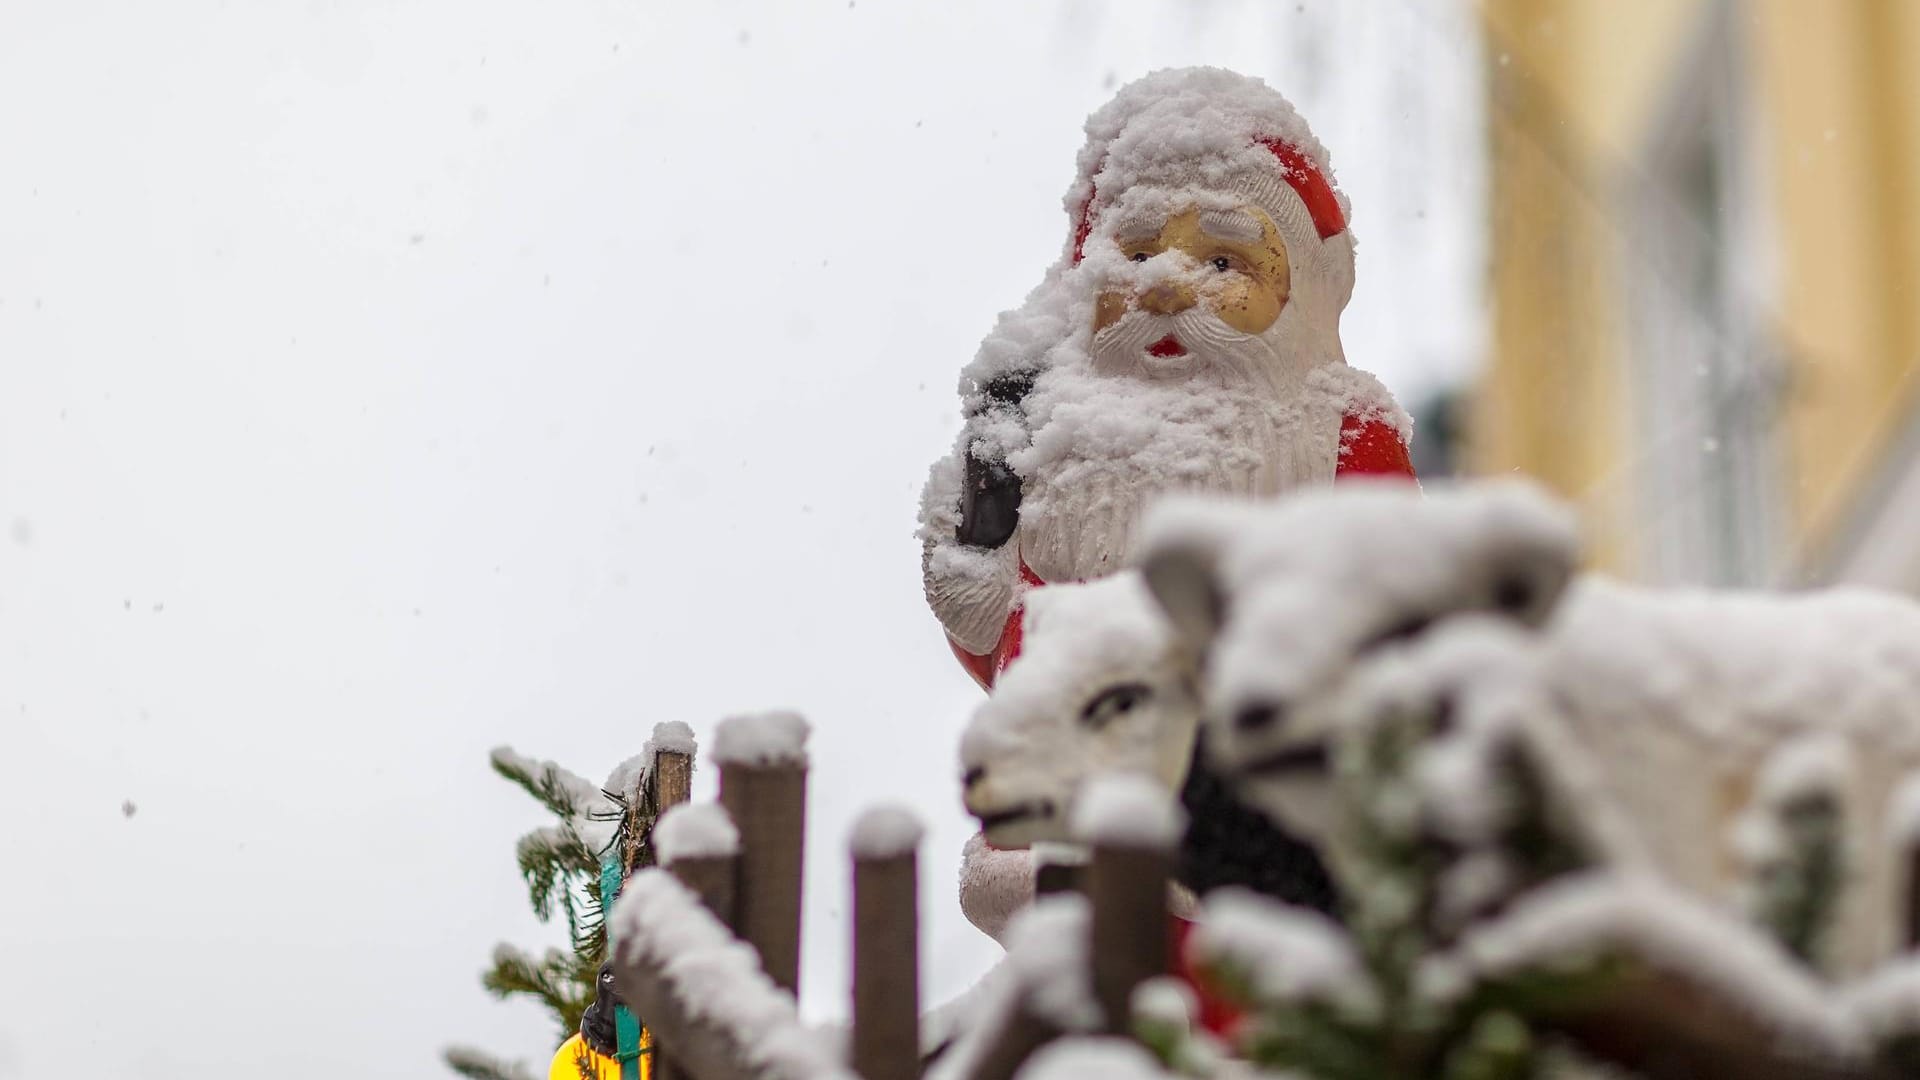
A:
1182,580
1180,563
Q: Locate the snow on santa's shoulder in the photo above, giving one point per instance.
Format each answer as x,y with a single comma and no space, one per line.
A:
1125,809
659,923
885,832
1671,931
769,738
1289,953
1361,397
1104,1058
694,830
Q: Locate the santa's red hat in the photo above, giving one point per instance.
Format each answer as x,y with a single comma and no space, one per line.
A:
1208,132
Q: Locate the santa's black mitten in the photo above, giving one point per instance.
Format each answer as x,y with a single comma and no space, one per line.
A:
990,497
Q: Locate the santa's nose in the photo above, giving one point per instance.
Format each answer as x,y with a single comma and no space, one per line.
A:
1166,299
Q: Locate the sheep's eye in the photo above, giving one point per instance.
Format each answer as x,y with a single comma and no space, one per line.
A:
1406,630
1139,256
1512,595
1221,262
1114,701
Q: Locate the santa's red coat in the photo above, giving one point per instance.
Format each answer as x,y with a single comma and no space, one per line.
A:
1369,446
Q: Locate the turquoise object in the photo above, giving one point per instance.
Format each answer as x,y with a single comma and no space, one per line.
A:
626,1026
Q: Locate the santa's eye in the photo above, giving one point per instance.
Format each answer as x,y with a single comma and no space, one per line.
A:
1221,262
1139,256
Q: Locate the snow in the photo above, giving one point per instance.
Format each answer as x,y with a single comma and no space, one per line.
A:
1288,953
673,737
694,830
658,922
1045,972
1129,810
769,738
1108,1058
1660,709
1047,949
1810,766
628,777
1567,922
1903,817
886,832
1887,1003
669,736
1164,999
584,797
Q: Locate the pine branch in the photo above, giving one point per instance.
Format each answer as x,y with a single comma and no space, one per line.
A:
480,1065
558,980
563,792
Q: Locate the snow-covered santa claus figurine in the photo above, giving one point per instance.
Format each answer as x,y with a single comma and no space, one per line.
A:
1187,340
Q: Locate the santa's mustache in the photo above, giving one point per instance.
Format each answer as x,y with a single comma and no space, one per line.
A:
1209,342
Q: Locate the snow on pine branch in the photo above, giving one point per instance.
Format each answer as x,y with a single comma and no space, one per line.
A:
717,977
1658,925
1283,953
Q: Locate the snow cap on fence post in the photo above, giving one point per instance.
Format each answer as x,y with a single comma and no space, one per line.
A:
885,831
763,785
1107,1058
767,738
886,943
694,830
1127,810
698,844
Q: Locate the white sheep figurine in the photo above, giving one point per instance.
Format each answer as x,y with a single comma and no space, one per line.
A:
1683,710
1104,684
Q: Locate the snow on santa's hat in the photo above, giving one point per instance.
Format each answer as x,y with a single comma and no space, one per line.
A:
1205,129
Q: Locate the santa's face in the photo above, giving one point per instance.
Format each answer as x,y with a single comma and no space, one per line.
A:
1215,277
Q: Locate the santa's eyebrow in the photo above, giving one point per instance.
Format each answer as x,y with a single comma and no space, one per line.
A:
1234,226
1137,228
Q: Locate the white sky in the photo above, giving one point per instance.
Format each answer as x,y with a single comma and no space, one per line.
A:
383,382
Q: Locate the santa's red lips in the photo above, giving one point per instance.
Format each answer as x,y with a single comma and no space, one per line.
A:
1167,348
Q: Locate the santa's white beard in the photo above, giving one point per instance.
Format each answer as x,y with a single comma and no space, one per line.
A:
1113,432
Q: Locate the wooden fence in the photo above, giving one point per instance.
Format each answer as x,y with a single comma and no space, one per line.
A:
1664,1024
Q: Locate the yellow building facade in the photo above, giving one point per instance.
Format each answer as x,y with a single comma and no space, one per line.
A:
1705,259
